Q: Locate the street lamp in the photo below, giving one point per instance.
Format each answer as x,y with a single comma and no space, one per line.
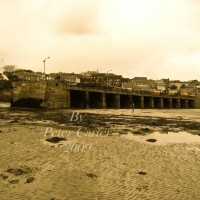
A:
44,64
107,75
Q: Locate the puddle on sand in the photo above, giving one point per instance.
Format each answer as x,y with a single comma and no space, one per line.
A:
164,138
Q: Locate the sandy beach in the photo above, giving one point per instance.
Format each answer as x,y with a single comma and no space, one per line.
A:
91,154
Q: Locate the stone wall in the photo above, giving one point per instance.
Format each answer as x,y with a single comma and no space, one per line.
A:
5,95
50,94
29,90
56,96
197,102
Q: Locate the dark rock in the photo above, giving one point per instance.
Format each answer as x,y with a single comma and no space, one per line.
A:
137,132
16,181
146,130
4,177
142,173
151,140
30,180
19,171
55,139
91,175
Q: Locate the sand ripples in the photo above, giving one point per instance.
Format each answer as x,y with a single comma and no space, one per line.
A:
113,169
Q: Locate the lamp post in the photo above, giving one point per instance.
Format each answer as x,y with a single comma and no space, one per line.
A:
44,64
107,76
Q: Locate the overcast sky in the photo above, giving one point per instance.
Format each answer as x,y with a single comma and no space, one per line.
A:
153,38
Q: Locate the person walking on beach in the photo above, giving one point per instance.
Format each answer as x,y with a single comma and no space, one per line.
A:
132,106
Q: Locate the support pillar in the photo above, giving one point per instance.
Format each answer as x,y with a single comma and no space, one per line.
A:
142,102
178,103
152,102
87,99
117,101
103,100
161,103
186,103
170,103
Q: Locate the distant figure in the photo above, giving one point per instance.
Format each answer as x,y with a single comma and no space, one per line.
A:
132,106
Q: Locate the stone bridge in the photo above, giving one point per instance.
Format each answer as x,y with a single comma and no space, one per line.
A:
52,94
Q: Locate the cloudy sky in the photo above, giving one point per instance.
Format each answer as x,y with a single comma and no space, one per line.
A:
153,38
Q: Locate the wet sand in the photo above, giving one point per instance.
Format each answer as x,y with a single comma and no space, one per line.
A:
52,155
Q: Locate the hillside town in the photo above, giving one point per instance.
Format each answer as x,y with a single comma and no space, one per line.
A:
99,79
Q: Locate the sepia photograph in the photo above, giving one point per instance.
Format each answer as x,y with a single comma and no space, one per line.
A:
99,100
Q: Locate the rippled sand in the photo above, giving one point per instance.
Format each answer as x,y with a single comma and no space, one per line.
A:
109,167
